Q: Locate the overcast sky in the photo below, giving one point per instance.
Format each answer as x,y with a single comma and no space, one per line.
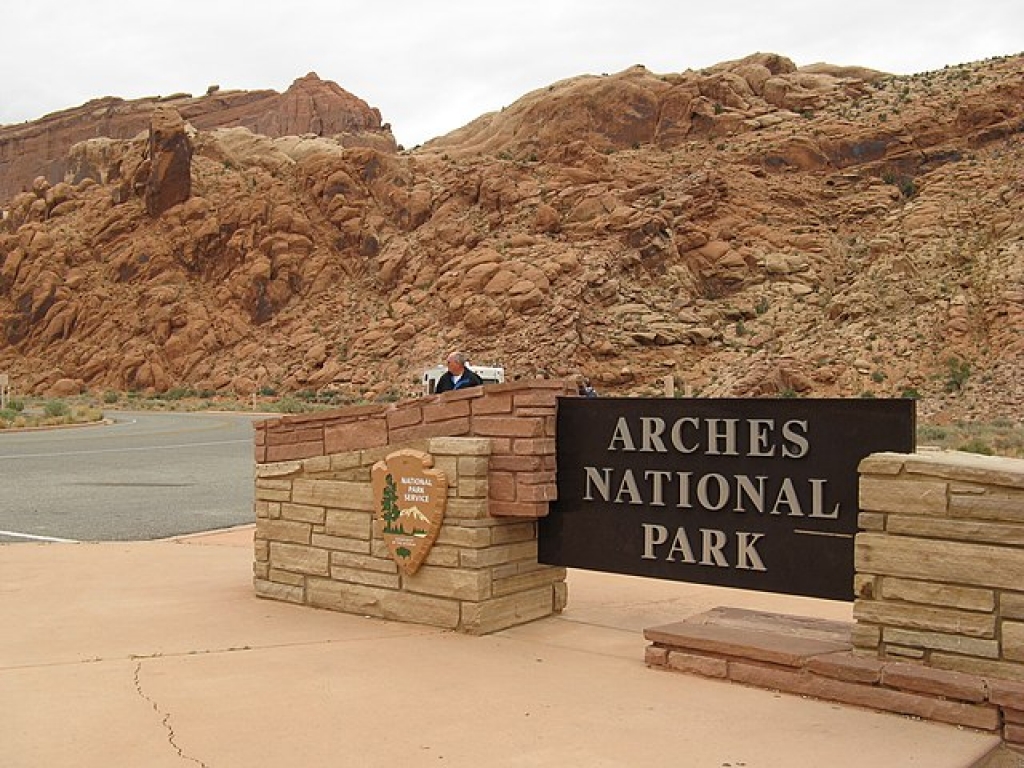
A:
431,67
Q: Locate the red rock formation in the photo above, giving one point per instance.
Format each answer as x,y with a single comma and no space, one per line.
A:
310,105
169,162
629,227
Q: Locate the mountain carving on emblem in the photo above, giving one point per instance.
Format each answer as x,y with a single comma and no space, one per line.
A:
417,521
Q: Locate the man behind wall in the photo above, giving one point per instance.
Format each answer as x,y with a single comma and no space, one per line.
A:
458,376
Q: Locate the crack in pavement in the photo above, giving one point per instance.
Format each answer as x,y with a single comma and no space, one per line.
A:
165,719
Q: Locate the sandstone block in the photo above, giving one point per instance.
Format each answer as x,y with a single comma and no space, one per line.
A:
499,555
283,530
1011,605
443,410
561,597
533,446
500,613
459,584
383,603
882,464
278,576
1008,694
472,487
347,460
316,465
405,417
969,467
348,524
291,451
926,618
450,428
278,591
303,513
460,536
336,494
443,556
492,404
968,646
845,666
502,486
974,531
365,433
1013,640
525,582
518,508
987,668
467,509
272,494
655,656
340,544
278,470
513,533
363,562
299,559
504,426
516,463
977,716
988,506
459,446
910,497
697,664
871,521
937,682
369,578
930,593
946,561
770,647
473,466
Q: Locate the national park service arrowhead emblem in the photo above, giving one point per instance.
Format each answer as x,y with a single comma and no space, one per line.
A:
410,498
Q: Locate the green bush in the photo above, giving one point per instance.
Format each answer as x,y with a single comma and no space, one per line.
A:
16,405
958,372
977,445
110,397
56,408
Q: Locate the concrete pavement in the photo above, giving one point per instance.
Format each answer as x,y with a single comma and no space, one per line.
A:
159,654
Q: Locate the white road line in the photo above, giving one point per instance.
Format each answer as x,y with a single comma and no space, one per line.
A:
120,450
33,537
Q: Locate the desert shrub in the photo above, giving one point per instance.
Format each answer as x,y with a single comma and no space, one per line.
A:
977,445
56,408
958,371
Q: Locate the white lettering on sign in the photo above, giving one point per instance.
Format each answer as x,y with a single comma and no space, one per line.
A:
715,548
417,489
711,492
713,437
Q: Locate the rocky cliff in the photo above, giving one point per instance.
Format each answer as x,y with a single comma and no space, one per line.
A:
753,229
309,106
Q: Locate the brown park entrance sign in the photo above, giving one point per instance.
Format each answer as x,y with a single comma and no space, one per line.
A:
748,493
410,498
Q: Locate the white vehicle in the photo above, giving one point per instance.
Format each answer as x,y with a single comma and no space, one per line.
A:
489,374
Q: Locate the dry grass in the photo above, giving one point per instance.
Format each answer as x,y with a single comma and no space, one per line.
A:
998,438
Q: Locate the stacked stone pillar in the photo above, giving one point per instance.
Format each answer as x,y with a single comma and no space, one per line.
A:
318,541
940,572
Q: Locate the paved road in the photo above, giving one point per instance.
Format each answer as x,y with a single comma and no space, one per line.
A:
146,476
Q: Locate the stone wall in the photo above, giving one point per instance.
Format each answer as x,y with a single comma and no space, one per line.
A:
317,541
939,609
940,561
